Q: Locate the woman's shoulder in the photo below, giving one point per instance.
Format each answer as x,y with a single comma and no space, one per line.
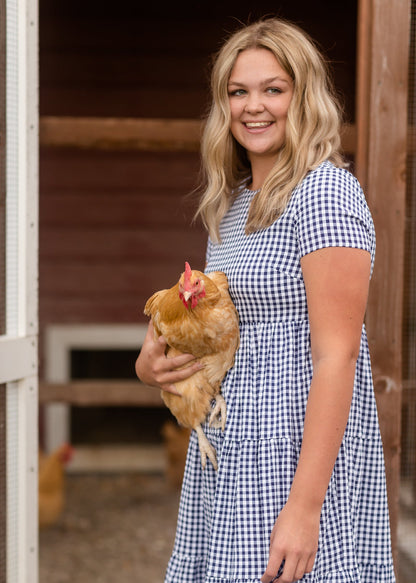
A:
329,175
329,183
330,210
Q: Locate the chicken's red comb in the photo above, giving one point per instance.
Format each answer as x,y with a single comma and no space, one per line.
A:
188,272
66,452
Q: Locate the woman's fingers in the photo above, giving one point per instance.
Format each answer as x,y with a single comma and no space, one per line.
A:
310,563
287,571
181,360
178,368
301,569
274,569
293,545
166,379
154,368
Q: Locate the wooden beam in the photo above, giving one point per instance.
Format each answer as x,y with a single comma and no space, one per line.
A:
101,393
382,80
135,134
120,133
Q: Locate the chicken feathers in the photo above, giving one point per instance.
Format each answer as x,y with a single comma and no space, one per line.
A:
197,316
52,484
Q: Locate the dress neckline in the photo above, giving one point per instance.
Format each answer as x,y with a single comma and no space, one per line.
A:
250,191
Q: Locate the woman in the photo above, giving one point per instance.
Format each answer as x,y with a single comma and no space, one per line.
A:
300,489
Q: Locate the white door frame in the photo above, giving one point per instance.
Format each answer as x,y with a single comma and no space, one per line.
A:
18,347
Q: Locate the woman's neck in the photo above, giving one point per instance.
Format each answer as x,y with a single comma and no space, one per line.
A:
260,169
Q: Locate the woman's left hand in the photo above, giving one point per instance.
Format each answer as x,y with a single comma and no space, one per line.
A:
294,540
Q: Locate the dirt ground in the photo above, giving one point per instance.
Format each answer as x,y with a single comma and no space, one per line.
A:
114,528
120,527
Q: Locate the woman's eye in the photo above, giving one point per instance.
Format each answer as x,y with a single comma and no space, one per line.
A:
236,92
274,90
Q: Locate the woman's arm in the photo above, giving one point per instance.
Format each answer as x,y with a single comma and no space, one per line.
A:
336,281
154,368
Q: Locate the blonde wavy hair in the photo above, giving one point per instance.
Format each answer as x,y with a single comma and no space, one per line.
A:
312,126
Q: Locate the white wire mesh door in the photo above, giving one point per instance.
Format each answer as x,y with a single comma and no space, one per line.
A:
18,292
3,480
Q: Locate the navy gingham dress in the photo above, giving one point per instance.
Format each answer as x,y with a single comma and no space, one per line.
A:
226,517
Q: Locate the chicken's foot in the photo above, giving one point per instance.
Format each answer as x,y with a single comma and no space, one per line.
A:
206,449
218,415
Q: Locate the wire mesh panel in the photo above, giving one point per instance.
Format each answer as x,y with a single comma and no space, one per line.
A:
9,400
2,165
407,524
3,499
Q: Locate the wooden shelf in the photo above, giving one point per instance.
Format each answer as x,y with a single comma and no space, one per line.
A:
100,393
120,133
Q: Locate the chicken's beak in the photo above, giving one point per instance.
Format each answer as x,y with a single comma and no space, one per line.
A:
187,295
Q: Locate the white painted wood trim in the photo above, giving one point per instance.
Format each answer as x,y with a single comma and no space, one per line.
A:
18,349
19,358
59,341
22,518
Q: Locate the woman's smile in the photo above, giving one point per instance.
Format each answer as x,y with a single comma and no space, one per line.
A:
257,125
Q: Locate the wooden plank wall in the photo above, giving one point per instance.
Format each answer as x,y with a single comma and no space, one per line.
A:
381,166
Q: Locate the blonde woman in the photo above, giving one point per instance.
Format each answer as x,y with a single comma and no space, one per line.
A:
300,489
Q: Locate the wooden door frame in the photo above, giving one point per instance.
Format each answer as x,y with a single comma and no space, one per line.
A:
382,93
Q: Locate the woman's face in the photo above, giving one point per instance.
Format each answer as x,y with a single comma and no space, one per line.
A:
259,93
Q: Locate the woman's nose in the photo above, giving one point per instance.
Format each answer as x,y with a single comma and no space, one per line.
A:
254,103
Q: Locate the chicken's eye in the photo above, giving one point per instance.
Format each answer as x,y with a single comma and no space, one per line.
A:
197,282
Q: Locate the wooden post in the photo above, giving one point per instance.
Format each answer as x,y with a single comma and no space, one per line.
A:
382,89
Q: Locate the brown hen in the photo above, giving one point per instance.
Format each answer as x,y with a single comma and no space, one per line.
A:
197,316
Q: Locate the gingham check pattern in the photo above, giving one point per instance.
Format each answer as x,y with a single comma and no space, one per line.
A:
225,518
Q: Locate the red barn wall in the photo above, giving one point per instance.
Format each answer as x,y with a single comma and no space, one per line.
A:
113,227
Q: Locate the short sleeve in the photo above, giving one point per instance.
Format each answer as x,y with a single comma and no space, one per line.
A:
331,211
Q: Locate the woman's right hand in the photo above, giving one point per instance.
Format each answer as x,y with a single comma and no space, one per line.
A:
154,368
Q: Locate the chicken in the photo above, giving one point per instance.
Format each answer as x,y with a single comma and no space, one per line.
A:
52,484
197,316
176,440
